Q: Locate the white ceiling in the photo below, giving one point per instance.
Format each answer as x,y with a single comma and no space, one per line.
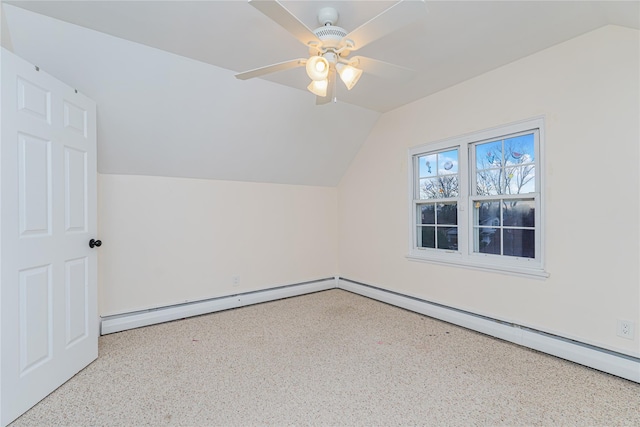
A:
168,104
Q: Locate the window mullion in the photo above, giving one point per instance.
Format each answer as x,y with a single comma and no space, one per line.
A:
463,178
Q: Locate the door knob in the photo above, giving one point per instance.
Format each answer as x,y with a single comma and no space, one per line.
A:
93,243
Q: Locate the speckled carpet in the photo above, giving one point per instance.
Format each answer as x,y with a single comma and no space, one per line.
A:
330,358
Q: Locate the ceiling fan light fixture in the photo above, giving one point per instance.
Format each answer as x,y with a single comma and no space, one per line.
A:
317,68
319,87
349,75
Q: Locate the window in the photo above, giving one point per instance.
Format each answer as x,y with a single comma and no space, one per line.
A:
437,208
476,200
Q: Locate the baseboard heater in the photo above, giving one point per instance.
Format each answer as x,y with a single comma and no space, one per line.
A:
619,364
137,319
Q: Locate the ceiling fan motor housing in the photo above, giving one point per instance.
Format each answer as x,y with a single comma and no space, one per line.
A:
330,35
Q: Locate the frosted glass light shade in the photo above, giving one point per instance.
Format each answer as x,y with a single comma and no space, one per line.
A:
318,87
349,75
317,68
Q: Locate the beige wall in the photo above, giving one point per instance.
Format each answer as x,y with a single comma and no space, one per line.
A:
588,91
173,240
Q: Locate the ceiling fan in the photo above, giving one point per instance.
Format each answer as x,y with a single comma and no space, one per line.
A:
330,46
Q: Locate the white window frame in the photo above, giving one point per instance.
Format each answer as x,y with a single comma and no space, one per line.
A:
464,256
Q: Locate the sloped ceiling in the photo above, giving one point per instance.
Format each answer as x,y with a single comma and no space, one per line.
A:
162,74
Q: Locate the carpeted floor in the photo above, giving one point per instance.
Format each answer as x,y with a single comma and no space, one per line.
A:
330,358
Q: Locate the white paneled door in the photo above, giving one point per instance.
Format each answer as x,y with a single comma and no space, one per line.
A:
48,291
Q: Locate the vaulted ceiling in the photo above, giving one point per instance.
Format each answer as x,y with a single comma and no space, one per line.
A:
162,74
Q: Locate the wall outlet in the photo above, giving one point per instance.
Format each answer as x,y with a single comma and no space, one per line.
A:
626,329
235,280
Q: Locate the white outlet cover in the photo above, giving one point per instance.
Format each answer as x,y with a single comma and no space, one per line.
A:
626,329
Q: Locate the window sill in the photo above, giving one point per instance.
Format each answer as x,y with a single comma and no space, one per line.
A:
533,273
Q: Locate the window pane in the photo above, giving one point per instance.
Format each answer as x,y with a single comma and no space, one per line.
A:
506,167
487,240
448,162
448,186
429,188
426,214
427,165
490,182
426,237
438,188
519,150
520,243
489,155
487,235
487,213
448,213
431,235
521,179
519,213
448,238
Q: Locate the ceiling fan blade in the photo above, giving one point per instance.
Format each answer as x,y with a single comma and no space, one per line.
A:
287,20
331,90
397,16
382,69
281,66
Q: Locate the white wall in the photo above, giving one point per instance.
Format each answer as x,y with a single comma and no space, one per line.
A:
588,90
5,36
173,240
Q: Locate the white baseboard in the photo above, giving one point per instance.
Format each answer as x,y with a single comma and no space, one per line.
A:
122,322
621,365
